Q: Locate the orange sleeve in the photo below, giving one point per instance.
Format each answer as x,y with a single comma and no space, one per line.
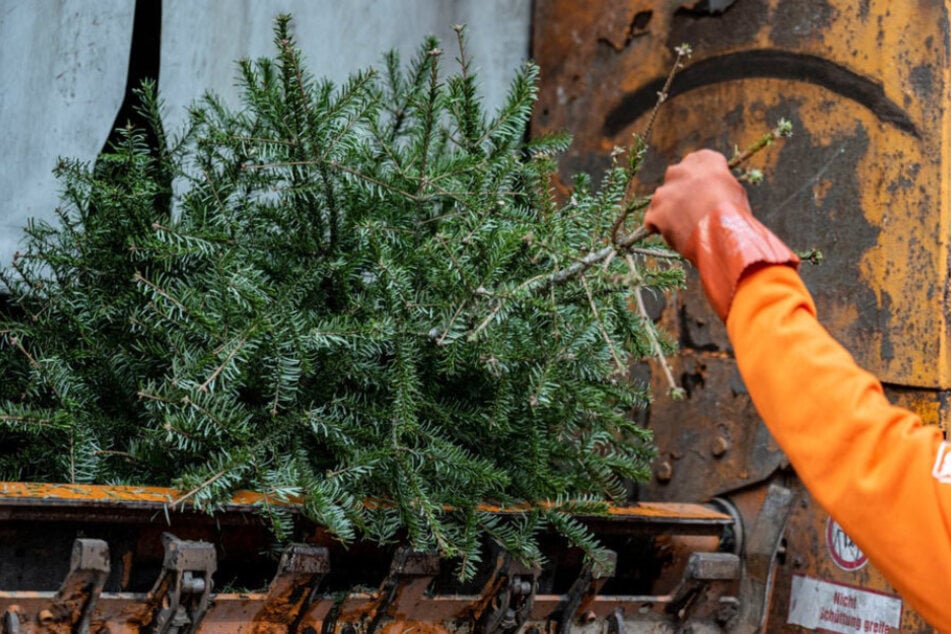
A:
870,464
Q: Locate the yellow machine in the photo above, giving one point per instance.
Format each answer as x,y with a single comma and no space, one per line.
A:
864,179
725,538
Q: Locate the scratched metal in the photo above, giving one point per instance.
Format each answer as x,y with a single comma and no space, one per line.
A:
865,179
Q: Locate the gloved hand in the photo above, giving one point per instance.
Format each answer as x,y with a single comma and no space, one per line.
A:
703,213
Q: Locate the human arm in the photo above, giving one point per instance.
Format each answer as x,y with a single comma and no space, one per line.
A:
868,463
865,461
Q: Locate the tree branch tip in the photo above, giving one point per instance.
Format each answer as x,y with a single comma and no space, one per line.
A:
812,256
784,128
684,50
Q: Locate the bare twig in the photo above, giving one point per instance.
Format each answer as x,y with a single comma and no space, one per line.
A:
445,333
783,130
15,342
488,320
181,499
676,392
27,420
159,291
642,140
666,254
231,355
683,52
619,365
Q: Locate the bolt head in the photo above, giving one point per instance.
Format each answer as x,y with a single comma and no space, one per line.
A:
719,446
664,471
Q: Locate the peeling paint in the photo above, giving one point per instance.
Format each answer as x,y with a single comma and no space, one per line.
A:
792,22
865,178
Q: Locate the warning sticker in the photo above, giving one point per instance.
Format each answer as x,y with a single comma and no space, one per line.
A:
843,550
833,607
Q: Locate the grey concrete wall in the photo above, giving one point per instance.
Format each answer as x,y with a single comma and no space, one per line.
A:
62,77
63,67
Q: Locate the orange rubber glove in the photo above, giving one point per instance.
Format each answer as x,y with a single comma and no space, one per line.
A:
702,212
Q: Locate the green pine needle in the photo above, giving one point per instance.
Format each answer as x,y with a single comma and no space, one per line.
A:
334,304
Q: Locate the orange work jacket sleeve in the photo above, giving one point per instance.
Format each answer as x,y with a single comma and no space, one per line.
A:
875,468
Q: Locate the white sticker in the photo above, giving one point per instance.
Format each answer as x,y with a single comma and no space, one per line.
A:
832,607
843,550
942,464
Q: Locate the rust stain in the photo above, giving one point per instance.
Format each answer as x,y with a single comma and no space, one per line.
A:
807,553
403,625
56,494
870,73
50,493
865,179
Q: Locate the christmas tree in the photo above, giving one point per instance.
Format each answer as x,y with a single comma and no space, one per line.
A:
367,299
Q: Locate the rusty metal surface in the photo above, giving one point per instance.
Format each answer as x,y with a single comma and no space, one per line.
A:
411,609
298,576
712,441
865,179
38,494
807,553
665,577
155,581
231,614
64,501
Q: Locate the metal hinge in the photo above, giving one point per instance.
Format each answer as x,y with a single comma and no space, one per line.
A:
182,593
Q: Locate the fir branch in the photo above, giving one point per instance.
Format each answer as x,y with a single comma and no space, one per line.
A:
340,166
428,121
238,344
468,112
297,327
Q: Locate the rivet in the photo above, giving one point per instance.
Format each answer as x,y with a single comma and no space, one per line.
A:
719,446
664,471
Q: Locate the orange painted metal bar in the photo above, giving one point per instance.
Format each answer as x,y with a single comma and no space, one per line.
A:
50,494
144,497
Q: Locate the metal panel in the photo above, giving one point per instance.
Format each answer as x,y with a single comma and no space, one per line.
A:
151,569
864,179
63,71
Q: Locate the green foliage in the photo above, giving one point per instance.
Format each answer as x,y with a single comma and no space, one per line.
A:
337,305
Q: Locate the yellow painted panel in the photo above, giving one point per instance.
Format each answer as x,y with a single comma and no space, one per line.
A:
865,177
